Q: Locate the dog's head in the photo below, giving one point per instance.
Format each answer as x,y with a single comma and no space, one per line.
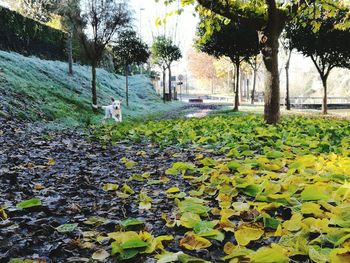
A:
117,104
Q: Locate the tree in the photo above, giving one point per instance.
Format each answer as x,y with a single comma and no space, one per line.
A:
164,53
101,19
128,50
37,9
67,9
268,18
255,64
196,60
326,45
232,40
287,49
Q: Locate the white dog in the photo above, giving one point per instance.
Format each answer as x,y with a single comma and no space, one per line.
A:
112,111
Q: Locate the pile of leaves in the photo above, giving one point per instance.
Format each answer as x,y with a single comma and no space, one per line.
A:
266,193
217,189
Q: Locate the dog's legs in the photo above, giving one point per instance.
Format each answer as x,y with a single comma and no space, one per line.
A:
120,116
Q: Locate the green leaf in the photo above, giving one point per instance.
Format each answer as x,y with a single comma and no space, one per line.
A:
204,226
191,206
127,254
131,222
318,254
314,193
189,220
137,243
233,165
184,258
181,167
29,203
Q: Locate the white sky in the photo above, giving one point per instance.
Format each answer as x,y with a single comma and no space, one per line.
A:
186,26
149,13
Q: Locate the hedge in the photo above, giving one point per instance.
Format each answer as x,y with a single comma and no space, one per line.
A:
29,37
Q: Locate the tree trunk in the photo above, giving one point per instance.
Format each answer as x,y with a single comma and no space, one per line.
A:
254,87
272,84
164,85
268,39
170,89
325,98
93,85
237,87
287,81
70,51
127,85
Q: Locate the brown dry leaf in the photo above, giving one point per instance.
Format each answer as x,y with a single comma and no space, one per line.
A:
193,242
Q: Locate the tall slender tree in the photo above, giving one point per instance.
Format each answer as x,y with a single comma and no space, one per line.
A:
67,9
164,53
288,50
98,22
127,50
255,64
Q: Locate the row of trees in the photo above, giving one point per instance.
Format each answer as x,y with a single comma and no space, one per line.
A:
327,47
269,18
102,26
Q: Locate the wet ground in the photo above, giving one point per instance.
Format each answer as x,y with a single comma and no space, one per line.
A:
67,170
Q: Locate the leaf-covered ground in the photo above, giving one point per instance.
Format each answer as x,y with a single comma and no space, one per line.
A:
224,188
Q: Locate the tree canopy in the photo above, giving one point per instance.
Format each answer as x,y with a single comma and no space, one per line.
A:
326,44
164,53
127,50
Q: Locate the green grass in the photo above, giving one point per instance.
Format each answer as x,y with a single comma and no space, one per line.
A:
37,90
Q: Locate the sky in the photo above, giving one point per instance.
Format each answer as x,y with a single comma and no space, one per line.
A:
147,12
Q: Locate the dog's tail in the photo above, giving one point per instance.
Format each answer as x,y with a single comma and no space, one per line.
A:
95,106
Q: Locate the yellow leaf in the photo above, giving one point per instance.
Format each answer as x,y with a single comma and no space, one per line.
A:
127,189
128,163
311,208
269,255
193,242
122,237
226,224
294,224
278,231
110,187
3,214
51,162
141,153
229,248
156,243
247,234
189,219
339,255
145,201
39,187
199,156
122,195
173,190
317,225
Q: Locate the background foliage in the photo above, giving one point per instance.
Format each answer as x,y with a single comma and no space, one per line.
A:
29,37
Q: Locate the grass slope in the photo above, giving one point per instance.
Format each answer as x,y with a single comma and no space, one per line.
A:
35,89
